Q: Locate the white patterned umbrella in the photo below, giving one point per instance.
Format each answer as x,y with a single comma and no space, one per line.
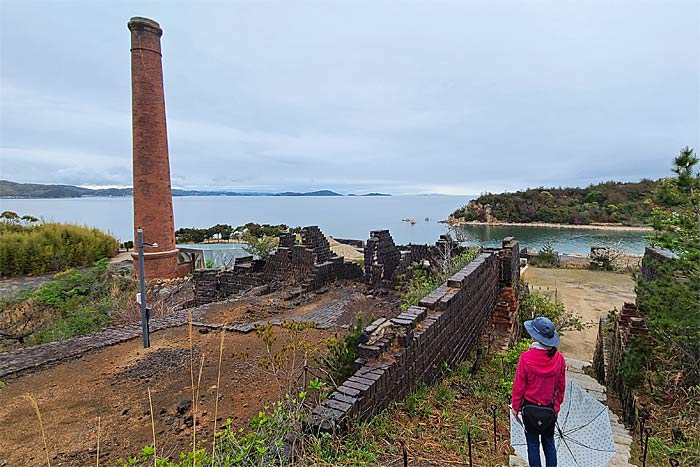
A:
583,436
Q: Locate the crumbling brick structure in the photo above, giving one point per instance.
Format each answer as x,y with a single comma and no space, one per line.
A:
382,257
401,353
614,340
211,285
153,204
310,265
387,263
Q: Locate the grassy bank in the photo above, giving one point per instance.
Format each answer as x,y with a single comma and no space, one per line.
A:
75,303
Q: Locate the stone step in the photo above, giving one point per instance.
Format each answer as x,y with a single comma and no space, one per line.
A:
578,365
586,382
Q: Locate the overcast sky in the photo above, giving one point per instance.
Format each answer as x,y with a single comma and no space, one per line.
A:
355,96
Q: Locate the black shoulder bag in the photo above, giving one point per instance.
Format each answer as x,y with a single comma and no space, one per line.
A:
539,419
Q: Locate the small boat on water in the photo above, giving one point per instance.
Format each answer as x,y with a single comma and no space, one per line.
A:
410,221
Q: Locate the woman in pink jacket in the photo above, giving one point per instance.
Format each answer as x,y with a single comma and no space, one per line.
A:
540,380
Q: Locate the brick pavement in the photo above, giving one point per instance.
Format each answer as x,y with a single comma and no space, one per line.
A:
18,361
30,358
325,317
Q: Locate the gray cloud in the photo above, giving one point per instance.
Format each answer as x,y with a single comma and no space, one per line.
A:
405,97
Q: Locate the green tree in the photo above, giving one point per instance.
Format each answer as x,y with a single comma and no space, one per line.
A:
259,246
547,256
672,300
224,231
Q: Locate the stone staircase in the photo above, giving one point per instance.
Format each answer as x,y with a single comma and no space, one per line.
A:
623,440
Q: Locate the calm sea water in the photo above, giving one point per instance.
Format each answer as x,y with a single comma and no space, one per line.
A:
342,217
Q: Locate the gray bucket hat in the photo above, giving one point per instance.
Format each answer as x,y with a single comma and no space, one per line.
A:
542,330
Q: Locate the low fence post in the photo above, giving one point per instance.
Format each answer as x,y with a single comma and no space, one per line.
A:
494,407
647,432
469,441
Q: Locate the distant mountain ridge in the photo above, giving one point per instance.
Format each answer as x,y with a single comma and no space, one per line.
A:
10,189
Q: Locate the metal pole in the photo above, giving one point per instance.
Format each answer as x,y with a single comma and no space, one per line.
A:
142,283
494,407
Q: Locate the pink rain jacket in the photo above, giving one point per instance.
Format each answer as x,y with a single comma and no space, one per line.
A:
537,376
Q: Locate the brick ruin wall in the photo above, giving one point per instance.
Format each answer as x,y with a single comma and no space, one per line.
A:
653,259
310,266
614,338
403,352
612,343
211,285
506,320
382,258
387,263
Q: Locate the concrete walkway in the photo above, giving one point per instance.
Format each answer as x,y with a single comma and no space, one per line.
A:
623,440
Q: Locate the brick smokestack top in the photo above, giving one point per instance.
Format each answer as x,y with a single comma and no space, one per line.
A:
153,203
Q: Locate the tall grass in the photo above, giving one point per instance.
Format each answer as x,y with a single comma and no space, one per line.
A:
99,426
153,429
218,389
51,247
41,427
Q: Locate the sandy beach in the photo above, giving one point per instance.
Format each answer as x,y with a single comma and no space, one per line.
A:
455,222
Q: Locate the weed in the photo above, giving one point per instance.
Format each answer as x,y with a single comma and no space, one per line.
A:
444,395
339,362
41,427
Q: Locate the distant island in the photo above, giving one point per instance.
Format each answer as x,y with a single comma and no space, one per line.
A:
10,189
608,203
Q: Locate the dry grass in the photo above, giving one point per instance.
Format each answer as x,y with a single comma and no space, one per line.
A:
41,427
194,401
99,426
153,428
218,386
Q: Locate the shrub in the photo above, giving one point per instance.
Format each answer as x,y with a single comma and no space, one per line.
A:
342,352
535,304
604,258
259,246
424,281
50,247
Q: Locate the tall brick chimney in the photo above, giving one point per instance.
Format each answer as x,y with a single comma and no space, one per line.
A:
153,202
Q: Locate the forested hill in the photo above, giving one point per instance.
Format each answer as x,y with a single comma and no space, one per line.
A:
609,202
10,189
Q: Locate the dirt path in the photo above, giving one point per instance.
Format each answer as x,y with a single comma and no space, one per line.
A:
591,294
112,385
